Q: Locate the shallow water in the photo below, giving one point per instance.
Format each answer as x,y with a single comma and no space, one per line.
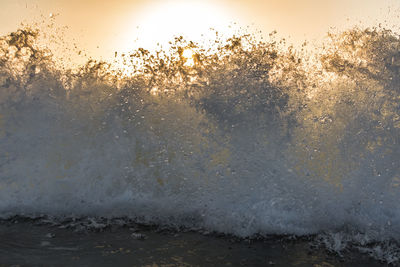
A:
27,243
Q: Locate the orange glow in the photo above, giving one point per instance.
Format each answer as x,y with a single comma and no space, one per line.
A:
99,27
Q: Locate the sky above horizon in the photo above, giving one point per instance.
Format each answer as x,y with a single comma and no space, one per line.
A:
103,27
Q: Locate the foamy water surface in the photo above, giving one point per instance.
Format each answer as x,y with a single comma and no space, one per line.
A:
249,138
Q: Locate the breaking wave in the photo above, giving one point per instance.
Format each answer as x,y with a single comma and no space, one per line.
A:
245,137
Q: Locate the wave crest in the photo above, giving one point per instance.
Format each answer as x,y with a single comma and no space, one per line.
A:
252,138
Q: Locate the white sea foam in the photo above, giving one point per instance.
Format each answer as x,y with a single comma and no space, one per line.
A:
254,141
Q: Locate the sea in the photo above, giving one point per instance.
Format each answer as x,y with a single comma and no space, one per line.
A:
244,138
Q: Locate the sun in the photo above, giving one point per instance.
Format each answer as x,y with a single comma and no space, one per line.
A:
188,57
158,24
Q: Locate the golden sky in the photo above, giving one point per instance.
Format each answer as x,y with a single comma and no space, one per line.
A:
102,27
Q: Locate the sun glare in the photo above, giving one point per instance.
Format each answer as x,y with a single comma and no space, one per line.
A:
188,57
159,24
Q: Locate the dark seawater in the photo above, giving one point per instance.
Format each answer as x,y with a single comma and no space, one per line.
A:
245,138
27,242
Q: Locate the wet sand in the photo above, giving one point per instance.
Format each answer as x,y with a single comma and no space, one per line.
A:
28,243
